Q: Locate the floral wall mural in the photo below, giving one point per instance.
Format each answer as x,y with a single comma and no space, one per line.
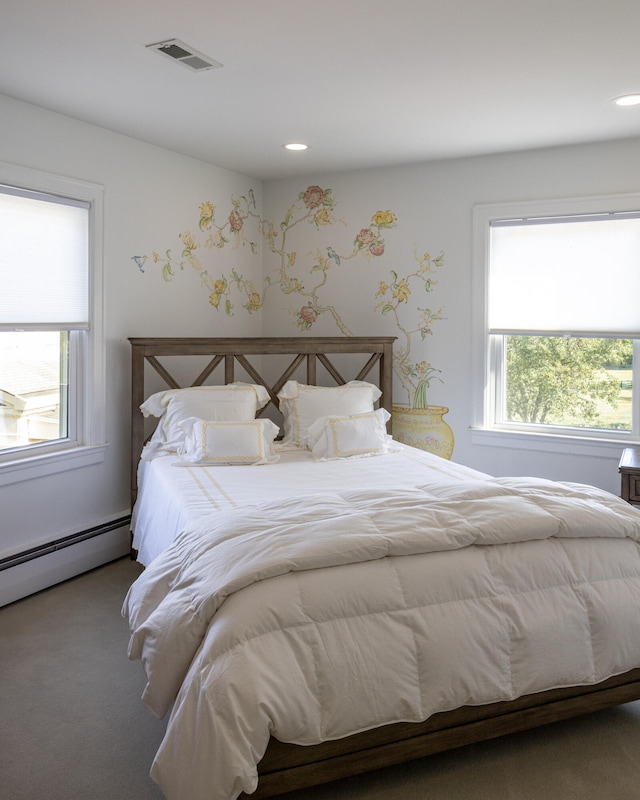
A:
401,296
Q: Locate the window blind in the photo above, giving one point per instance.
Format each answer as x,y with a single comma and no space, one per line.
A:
566,276
44,261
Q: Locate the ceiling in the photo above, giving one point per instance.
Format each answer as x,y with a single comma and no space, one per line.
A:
364,83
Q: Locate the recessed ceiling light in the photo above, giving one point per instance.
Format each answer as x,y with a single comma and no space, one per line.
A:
628,100
296,146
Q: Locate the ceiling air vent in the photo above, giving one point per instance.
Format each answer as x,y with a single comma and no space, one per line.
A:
181,53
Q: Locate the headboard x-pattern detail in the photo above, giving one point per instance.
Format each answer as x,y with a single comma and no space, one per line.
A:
229,351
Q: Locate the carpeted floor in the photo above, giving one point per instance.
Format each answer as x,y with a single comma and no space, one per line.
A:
72,726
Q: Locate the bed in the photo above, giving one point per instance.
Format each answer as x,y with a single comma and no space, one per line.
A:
326,611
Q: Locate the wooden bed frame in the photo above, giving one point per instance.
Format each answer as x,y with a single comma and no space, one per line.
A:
286,767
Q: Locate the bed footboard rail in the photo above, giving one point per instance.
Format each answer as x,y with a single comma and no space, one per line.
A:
287,767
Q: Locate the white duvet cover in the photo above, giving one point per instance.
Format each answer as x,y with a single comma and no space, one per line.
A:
319,615
174,495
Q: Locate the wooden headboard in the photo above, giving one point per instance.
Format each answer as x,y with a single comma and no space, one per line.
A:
307,352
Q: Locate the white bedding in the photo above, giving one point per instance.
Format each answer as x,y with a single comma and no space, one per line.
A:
313,616
173,495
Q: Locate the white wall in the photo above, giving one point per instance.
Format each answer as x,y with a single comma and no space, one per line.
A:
433,203
151,195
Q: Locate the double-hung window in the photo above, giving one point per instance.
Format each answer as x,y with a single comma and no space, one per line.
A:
51,384
557,295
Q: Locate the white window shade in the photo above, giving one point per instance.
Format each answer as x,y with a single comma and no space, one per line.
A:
44,261
566,276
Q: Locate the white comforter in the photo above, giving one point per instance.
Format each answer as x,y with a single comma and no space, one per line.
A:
173,496
313,618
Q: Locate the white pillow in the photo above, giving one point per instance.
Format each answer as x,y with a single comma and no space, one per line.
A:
235,401
301,405
350,437
228,443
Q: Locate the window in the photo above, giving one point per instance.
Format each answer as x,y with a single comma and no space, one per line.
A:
34,406
559,286
51,384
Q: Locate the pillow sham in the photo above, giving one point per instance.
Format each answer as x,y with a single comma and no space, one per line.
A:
301,405
234,401
354,436
228,443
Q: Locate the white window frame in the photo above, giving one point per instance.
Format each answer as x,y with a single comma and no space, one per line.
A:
86,441
485,431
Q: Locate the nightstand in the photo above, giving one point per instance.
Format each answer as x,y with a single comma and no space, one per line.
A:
629,469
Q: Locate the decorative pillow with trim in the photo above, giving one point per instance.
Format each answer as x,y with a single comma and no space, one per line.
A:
301,405
228,443
232,402
354,436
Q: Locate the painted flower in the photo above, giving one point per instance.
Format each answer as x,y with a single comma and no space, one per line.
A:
377,248
235,220
308,315
422,367
188,241
384,219
220,286
401,291
254,302
206,215
313,197
366,236
291,259
322,217
214,299
382,289
156,256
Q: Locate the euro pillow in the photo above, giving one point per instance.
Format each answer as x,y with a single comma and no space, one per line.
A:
354,436
301,405
232,402
228,443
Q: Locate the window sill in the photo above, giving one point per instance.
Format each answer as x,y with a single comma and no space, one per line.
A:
552,443
41,466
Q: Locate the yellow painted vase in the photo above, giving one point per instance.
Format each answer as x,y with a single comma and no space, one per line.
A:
424,428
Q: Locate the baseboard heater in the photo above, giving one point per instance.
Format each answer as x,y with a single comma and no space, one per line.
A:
60,544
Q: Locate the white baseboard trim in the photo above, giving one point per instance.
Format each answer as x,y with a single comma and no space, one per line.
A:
38,572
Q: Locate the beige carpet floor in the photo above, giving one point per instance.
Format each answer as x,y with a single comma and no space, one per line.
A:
72,726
